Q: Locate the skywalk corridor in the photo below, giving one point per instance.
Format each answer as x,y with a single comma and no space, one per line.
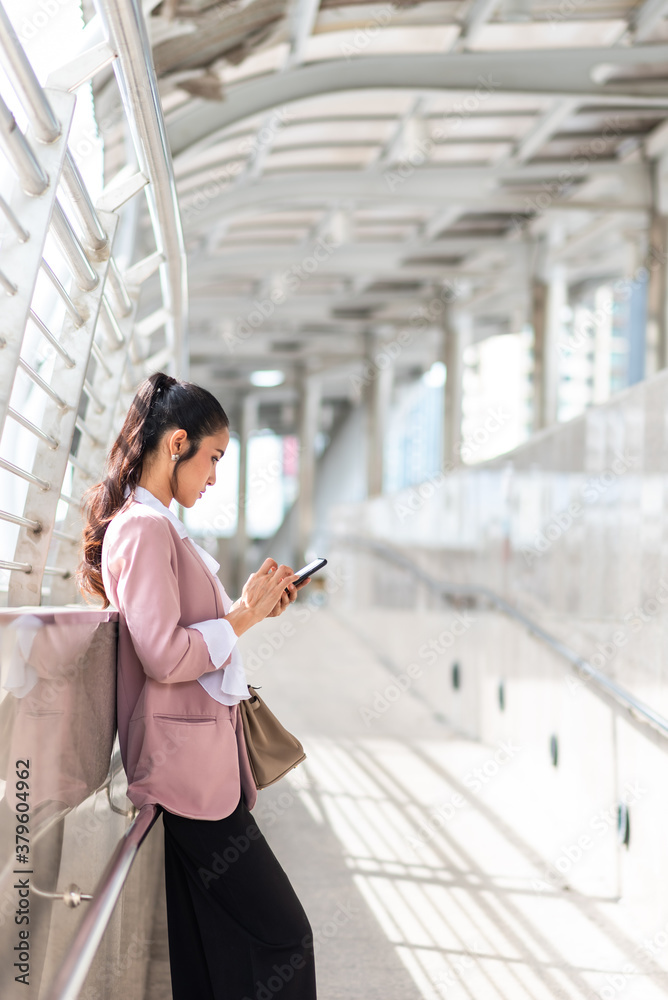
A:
408,263
414,849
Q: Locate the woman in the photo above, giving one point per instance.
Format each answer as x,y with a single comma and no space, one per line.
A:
236,929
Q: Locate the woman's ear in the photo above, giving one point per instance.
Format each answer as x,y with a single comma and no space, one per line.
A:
177,442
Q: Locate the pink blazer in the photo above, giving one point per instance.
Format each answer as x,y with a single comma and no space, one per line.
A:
180,747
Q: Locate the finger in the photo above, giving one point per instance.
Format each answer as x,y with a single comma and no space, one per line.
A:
280,606
288,582
303,583
268,566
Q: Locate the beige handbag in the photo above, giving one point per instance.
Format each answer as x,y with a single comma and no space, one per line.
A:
272,750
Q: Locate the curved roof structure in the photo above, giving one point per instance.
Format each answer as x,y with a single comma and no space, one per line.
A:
340,165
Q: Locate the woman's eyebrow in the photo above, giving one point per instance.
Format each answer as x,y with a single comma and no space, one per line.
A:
221,451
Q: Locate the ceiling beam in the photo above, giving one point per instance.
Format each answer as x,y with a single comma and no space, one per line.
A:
592,237
395,149
304,15
439,221
472,188
303,308
543,129
477,15
646,17
350,258
556,72
303,18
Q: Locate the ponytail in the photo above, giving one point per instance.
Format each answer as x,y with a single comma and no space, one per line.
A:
161,403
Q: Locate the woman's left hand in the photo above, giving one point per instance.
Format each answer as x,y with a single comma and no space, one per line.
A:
287,599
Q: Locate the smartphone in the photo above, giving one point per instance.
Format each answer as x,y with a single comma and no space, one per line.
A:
309,570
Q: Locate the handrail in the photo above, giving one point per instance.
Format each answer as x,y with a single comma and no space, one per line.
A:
126,30
61,205
24,80
603,686
74,968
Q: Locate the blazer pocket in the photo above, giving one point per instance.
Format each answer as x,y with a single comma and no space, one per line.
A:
188,720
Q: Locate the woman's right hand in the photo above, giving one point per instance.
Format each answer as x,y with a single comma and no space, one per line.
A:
260,594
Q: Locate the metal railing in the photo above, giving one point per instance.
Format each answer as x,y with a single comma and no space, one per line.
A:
641,716
127,33
96,360
74,969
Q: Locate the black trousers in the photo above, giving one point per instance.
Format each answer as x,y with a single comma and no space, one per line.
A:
236,928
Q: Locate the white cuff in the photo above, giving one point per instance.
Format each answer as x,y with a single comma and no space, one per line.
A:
232,686
220,638
21,675
234,678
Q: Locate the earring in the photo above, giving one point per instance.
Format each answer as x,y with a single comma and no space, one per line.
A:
174,458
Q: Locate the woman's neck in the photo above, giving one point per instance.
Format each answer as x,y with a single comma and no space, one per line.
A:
157,486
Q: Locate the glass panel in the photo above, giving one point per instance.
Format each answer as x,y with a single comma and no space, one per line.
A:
60,817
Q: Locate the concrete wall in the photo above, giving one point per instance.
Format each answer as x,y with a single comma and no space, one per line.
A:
571,528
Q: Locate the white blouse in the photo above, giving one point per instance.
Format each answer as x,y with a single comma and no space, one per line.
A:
220,637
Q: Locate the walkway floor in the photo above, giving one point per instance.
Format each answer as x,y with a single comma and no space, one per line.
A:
416,887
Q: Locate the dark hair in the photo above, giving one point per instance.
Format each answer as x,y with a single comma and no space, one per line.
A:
160,404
